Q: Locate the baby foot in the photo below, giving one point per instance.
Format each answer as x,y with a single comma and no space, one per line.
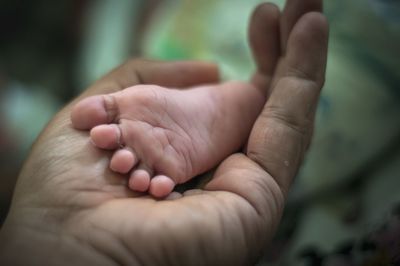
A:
164,137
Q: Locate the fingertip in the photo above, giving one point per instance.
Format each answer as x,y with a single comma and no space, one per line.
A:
264,37
265,9
308,45
291,14
313,21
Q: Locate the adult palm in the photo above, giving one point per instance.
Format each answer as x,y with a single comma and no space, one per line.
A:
69,208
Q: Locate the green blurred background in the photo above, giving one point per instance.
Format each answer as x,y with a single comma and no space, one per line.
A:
344,205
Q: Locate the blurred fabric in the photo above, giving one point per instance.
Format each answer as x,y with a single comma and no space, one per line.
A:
344,205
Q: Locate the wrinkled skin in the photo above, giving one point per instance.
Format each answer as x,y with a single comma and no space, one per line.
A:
68,208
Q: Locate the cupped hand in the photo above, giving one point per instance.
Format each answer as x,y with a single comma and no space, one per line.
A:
68,208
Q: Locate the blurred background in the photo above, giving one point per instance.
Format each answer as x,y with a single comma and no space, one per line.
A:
344,208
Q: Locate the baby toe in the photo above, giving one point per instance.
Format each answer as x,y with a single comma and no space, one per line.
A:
123,161
93,111
139,180
161,186
106,136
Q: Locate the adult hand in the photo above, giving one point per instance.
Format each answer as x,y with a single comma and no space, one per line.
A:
68,208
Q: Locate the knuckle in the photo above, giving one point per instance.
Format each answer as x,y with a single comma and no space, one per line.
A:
293,122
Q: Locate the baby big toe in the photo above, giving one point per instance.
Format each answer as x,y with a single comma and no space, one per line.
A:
161,186
123,161
106,136
139,180
91,112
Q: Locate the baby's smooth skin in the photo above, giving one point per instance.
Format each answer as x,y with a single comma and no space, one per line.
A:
164,136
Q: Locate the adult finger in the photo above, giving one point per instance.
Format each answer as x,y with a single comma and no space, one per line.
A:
291,13
261,179
263,35
282,132
177,74
170,74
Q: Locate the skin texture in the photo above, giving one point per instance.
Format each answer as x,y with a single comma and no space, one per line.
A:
169,135
69,208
